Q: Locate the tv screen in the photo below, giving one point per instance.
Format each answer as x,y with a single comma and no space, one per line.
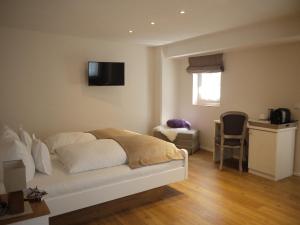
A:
106,73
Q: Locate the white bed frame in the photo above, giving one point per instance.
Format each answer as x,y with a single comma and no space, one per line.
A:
93,196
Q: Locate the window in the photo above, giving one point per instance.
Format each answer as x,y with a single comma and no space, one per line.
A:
207,89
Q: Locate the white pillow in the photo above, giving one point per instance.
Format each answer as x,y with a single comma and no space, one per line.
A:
14,150
25,138
92,155
41,157
62,139
7,134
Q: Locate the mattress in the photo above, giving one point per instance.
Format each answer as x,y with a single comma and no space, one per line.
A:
61,182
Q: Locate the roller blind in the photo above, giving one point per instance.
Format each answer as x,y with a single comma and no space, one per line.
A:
206,64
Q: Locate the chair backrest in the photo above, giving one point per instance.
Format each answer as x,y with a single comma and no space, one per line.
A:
234,124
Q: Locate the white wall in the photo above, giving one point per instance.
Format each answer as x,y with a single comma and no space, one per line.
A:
280,30
165,88
157,100
169,96
254,80
43,84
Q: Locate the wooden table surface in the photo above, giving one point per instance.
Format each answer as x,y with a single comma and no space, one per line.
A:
38,209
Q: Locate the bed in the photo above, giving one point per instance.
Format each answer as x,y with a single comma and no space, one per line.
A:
82,169
69,192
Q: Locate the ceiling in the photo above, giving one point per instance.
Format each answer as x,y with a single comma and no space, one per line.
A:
112,19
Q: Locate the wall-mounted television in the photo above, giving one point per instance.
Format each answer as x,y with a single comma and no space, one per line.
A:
106,73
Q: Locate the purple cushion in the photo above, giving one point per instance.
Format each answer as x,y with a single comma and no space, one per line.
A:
178,123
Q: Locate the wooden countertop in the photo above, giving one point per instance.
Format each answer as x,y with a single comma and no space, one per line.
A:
38,209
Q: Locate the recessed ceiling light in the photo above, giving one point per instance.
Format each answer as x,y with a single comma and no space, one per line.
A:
182,12
130,31
152,23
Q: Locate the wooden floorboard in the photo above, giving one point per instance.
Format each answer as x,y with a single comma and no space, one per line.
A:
210,196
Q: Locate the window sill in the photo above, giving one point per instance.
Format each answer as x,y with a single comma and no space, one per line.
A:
208,104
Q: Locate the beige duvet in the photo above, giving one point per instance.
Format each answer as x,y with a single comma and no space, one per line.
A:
141,150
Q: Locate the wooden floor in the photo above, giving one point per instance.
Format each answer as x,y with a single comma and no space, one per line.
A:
216,197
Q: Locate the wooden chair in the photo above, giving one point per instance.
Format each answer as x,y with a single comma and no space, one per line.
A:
233,134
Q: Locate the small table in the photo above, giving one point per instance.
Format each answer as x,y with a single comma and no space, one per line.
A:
39,216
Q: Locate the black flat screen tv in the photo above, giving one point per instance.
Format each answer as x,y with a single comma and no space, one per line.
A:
106,73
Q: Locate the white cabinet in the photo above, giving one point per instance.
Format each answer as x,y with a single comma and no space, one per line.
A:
271,152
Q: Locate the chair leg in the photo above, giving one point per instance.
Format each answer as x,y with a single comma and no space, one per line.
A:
241,158
221,157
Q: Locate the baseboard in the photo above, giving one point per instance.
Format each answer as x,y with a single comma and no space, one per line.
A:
296,173
205,148
261,174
